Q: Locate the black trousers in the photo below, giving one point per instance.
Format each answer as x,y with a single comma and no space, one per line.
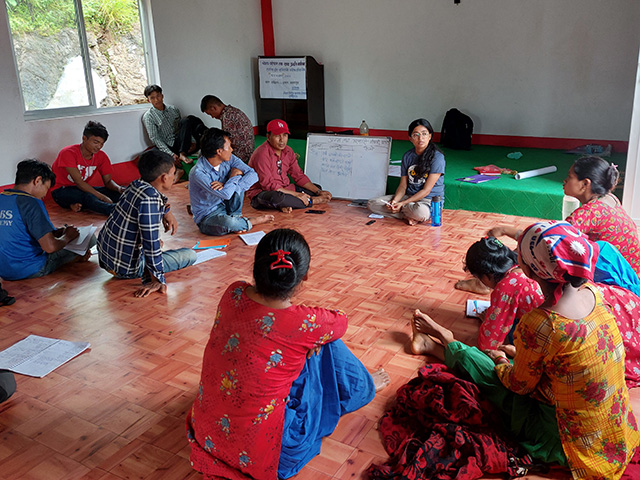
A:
271,199
190,128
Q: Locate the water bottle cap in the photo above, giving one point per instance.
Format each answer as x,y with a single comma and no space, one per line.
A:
436,198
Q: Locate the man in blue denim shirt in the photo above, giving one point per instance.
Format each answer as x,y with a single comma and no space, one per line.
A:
217,185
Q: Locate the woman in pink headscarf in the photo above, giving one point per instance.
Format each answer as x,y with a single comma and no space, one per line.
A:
569,356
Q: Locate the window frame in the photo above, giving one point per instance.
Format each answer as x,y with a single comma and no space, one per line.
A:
151,63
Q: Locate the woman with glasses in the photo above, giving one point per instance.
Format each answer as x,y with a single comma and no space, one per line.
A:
422,178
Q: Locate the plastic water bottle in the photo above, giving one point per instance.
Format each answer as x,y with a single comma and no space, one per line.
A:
364,129
436,211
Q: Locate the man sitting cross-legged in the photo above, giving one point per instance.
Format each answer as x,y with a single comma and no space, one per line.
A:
81,168
129,244
30,246
217,185
274,161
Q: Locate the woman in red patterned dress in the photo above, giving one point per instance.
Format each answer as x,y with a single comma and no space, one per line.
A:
601,217
513,293
265,400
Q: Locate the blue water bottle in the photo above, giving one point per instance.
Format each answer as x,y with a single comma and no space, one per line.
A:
436,211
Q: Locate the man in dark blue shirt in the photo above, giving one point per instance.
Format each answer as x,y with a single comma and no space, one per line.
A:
30,246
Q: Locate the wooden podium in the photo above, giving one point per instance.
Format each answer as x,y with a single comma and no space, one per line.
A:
292,89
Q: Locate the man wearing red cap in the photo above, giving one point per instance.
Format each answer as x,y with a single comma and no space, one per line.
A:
274,161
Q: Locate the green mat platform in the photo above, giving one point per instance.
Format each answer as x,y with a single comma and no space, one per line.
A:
539,197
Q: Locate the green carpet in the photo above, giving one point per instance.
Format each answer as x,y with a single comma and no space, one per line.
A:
539,197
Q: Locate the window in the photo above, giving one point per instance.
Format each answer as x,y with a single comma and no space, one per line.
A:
79,54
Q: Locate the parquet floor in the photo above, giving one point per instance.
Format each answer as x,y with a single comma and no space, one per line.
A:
117,411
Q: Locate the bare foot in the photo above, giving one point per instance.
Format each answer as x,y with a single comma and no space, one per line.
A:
423,323
82,258
422,344
185,159
320,200
179,173
261,219
510,350
380,379
286,209
411,222
75,207
472,285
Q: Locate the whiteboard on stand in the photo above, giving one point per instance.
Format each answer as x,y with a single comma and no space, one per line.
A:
348,166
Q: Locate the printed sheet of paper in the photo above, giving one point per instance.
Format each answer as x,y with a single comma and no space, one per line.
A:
38,356
476,307
252,238
80,245
394,171
283,78
208,254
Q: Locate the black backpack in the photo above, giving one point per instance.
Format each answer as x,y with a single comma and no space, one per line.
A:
457,129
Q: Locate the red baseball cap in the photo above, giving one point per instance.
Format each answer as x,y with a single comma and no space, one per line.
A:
276,127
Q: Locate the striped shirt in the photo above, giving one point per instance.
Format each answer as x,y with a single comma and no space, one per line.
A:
133,231
162,126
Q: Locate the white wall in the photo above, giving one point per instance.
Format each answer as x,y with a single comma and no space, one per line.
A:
208,47
631,198
519,67
522,67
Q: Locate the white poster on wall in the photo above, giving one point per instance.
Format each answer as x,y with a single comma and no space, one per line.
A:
283,78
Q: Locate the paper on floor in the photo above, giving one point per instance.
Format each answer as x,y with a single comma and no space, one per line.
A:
38,356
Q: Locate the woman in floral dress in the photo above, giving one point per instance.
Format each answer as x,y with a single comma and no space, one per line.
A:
601,217
512,293
264,400
568,355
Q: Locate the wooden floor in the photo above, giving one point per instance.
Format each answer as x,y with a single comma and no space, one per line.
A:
117,411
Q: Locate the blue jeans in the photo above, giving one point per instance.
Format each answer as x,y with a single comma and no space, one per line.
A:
57,259
66,196
226,218
172,260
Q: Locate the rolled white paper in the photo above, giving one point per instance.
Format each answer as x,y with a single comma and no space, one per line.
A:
535,173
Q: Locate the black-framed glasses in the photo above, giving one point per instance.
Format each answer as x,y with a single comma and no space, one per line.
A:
279,165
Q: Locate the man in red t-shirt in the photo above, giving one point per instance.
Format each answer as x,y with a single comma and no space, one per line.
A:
82,169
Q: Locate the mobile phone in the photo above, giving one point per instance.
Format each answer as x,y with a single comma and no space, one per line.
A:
315,211
370,222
